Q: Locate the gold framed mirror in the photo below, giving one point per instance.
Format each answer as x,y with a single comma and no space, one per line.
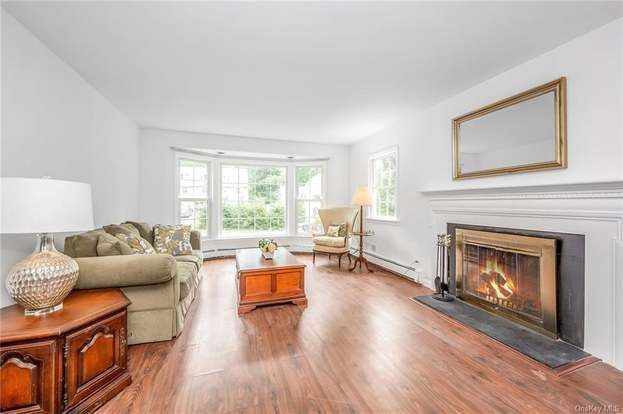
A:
525,132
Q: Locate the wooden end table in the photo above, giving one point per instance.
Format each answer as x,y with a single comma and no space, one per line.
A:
72,360
263,282
361,258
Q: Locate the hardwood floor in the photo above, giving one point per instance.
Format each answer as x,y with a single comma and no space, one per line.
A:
360,346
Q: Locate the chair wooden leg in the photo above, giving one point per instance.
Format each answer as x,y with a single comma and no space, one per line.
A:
313,257
339,262
350,262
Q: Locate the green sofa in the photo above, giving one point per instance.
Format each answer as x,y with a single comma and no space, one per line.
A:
161,287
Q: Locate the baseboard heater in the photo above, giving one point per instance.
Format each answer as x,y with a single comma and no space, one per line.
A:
408,268
231,252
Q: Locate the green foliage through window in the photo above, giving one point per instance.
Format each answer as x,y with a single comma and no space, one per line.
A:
254,199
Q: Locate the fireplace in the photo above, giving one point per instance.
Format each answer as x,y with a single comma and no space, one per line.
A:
510,275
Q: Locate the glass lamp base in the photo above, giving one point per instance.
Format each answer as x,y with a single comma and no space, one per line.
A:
43,311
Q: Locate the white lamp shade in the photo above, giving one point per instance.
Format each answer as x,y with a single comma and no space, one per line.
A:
362,197
41,205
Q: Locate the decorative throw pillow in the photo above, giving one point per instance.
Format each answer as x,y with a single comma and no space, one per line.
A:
138,244
174,240
333,230
144,229
337,230
108,245
84,245
115,229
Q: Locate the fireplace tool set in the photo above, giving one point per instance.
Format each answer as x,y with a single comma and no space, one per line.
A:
442,288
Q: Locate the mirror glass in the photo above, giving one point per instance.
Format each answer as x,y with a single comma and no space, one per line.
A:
517,135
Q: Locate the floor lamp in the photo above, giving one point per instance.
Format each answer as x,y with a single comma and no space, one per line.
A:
362,198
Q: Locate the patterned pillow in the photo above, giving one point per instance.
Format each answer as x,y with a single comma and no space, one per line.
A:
333,230
109,245
174,240
138,244
336,230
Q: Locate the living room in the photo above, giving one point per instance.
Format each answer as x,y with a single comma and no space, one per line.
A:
311,207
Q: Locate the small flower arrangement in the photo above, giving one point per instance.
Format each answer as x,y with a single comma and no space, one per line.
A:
267,247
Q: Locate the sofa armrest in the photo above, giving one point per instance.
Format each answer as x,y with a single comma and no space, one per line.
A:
195,239
123,271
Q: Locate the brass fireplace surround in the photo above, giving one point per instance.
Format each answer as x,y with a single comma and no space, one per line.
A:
543,248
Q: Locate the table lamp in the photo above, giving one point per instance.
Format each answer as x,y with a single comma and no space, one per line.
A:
362,198
43,206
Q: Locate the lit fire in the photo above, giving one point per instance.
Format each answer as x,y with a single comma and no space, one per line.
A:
496,282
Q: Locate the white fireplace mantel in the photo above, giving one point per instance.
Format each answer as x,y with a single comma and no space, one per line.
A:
594,210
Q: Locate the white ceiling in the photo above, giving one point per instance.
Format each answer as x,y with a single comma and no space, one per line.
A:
322,72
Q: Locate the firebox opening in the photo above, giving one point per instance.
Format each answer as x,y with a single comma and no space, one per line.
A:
510,275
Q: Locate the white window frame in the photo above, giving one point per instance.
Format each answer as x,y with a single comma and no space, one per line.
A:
179,157
296,199
382,154
255,163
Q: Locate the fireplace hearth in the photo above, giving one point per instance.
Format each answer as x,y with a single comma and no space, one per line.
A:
523,288
510,275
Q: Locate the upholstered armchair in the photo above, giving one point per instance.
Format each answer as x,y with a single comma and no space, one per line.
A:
335,245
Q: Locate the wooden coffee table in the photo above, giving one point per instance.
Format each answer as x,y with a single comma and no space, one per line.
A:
263,282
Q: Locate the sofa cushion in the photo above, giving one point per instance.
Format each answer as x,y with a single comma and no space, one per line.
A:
198,254
138,244
144,229
328,249
108,245
190,258
120,271
174,240
125,228
330,241
186,272
82,245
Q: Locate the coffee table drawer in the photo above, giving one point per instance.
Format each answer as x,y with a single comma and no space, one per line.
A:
257,286
289,283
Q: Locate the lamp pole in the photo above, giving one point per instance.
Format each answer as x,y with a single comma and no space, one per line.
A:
361,259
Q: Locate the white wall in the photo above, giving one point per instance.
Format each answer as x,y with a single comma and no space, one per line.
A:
56,124
157,169
593,66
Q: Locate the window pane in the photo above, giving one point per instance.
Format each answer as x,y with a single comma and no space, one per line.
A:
307,218
193,194
383,181
253,199
193,179
309,182
195,214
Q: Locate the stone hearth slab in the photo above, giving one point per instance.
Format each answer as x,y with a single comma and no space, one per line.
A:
551,352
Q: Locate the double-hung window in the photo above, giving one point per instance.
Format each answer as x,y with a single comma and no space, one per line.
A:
193,198
383,181
309,198
253,199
